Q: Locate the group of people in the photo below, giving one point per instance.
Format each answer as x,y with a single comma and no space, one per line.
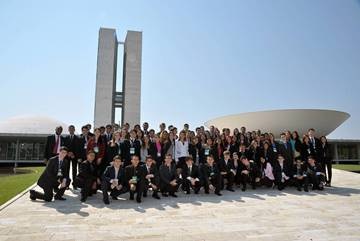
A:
140,160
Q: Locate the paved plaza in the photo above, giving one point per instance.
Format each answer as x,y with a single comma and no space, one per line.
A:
262,214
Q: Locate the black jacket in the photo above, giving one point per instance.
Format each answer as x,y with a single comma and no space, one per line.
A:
278,171
109,174
167,174
195,172
153,170
223,167
49,146
208,172
131,171
126,150
49,178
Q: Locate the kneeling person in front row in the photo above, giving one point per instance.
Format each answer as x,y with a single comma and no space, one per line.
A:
300,176
191,176
135,178
249,173
113,180
152,179
55,174
87,179
227,171
211,176
315,174
169,181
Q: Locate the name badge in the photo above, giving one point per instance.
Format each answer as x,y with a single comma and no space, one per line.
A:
85,146
134,178
207,152
159,154
96,149
212,173
132,150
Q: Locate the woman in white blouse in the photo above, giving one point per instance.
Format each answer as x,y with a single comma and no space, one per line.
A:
181,150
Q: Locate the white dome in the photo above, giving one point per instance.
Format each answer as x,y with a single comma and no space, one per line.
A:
277,121
31,125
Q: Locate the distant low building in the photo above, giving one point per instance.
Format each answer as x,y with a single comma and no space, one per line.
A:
22,139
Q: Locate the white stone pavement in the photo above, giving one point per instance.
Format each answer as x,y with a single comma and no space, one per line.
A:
262,214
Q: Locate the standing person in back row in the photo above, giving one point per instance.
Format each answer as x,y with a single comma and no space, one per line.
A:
181,150
53,144
72,143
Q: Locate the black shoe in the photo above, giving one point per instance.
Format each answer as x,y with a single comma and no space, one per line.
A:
243,189
138,199
230,189
299,189
83,199
114,198
219,194
173,195
253,187
106,201
60,198
75,187
32,195
144,194
131,197
197,192
306,189
164,194
206,192
156,196
187,192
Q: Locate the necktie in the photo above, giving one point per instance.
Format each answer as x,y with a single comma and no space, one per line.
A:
56,144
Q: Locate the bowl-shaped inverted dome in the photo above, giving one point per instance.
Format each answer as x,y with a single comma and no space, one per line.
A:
277,121
31,125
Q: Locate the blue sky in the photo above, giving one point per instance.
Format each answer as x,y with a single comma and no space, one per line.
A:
201,59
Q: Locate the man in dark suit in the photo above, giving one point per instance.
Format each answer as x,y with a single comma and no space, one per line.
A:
285,149
169,181
299,175
191,176
87,179
55,174
227,171
82,144
282,172
53,144
152,178
315,144
135,178
315,174
130,147
108,133
113,180
72,142
249,173
211,176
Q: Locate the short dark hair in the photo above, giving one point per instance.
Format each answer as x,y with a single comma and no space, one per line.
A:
188,158
117,157
108,126
226,153
64,148
90,152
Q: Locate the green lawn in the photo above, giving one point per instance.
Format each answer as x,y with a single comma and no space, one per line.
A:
347,167
13,184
